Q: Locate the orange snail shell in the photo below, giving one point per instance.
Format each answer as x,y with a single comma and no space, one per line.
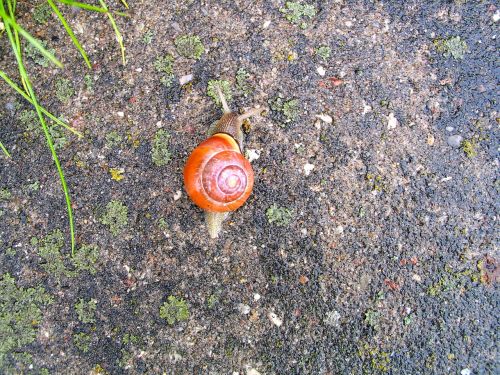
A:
217,177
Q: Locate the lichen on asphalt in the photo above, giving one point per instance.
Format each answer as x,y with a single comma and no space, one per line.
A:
174,310
20,315
115,217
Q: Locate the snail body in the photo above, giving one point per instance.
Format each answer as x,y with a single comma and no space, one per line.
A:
217,177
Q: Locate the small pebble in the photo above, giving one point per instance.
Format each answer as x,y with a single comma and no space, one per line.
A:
252,154
326,118
332,318
339,229
392,121
252,371
266,24
455,140
120,114
416,278
243,308
185,79
321,71
466,371
450,128
308,168
256,296
177,195
274,318
138,70
366,108
495,17
430,140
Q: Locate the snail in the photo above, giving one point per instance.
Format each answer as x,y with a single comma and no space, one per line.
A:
217,177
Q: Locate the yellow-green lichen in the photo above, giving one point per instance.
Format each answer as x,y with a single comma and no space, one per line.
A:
288,110
5,194
64,90
42,13
160,153
82,341
164,65
33,53
189,46
374,358
115,217
225,88
280,216
323,52
452,46
174,310
20,316
469,148
297,12
86,310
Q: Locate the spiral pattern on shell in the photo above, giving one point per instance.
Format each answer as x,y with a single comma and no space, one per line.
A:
217,177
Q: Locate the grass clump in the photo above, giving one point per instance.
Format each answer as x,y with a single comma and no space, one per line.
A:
452,46
296,12
34,54
225,88
82,341
42,13
469,148
189,46
165,66
159,152
20,315
323,52
86,310
64,90
115,217
280,216
174,310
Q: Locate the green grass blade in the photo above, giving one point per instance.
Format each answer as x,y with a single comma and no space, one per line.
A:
4,150
119,37
70,32
125,4
84,6
45,112
11,22
31,93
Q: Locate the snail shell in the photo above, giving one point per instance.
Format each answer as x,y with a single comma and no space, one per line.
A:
217,177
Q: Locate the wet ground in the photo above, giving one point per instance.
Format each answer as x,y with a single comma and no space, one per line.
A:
380,254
